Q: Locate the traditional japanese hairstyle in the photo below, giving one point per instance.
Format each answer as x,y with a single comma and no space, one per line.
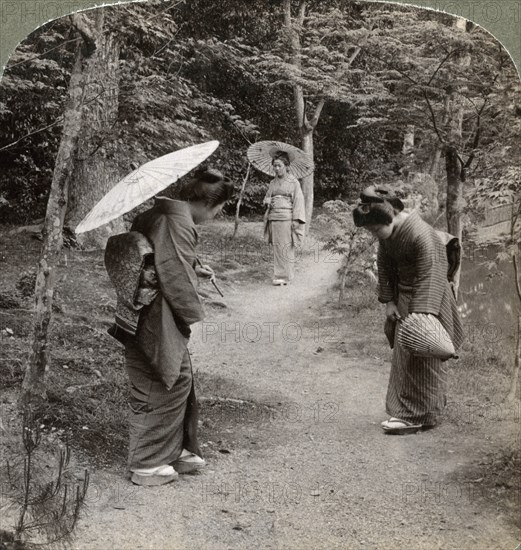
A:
283,156
208,186
377,206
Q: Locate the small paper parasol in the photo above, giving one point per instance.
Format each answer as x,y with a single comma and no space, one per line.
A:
262,153
423,335
145,182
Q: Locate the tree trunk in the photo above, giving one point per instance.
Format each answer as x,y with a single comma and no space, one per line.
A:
408,140
454,200
453,166
96,169
293,28
454,191
514,383
33,387
434,168
308,182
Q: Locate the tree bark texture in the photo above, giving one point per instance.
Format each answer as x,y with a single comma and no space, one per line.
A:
408,140
96,169
306,125
514,383
33,387
453,163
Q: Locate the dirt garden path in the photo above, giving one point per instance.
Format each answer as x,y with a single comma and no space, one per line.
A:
298,459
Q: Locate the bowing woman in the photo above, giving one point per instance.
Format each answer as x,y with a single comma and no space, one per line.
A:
284,219
412,278
163,408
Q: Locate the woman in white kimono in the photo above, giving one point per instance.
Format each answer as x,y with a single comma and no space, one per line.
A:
284,219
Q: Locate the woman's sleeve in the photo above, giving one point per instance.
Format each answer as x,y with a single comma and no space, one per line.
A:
430,279
267,198
386,276
299,207
174,259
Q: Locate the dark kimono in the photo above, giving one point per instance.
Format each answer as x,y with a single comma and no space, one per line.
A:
412,272
163,408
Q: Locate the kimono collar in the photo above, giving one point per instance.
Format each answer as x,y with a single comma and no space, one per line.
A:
179,209
413,218
171,206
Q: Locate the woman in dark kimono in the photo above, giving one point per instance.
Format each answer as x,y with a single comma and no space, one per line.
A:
163,407
284,219
412,278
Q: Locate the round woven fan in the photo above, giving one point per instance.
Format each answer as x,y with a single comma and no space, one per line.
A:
423,335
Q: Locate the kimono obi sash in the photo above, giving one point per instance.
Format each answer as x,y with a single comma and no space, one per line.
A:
129,260
281,208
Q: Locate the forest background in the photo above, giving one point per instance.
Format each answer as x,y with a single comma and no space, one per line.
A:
377,93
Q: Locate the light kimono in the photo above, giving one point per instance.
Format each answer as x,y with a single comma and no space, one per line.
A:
284,223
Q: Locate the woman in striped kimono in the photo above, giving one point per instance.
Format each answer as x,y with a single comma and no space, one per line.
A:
284,219
163,408
412,278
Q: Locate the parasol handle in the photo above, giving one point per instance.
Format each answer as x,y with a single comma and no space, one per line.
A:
213,282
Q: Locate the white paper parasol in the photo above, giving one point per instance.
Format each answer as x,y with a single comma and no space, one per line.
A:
145,182
262,153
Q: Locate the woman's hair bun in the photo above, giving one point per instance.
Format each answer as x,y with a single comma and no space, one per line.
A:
207,185
210,175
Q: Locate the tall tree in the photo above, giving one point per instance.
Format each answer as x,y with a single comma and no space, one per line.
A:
446,72
34,379
96,167
316,58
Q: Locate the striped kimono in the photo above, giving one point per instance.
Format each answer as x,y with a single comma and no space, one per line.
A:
412,272
285,205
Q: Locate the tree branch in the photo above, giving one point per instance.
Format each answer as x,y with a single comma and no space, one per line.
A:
60,119
175,3
389,65
86,29
9,67
443,61
433,118
344,67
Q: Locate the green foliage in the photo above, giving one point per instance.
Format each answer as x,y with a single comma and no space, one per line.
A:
353,244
